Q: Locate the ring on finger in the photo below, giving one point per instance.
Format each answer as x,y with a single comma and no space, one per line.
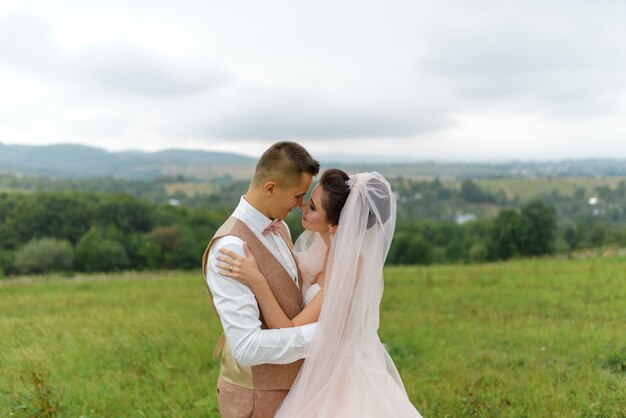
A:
230,269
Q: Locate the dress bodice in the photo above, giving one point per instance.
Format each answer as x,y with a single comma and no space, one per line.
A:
310,293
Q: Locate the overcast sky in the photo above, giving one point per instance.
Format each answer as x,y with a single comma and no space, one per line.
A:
436,79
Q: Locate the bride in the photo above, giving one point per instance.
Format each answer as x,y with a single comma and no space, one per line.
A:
349,223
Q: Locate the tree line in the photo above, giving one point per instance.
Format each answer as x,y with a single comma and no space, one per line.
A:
88,232
72,231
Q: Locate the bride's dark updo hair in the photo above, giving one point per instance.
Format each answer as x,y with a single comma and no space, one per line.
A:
335,192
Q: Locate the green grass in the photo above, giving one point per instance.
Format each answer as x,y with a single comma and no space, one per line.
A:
531,338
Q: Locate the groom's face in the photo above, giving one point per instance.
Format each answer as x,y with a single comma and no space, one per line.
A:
284,199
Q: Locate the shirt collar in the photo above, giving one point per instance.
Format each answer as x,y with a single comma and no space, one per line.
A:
255,218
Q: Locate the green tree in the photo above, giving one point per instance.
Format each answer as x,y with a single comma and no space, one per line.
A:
20,221
539,223
455,250
95,252
167,238
6,262
179,247
143,252
65,215
43,255
188,252
571,238
125,212
506,234
410,248
598,235
478,252
471,192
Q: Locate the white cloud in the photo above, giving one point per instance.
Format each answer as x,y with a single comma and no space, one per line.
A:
272,114
28,44
522,57
127,69
435,80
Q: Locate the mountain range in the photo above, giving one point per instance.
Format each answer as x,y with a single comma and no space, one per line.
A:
79,161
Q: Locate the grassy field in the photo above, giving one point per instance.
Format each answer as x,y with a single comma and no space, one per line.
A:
190,189
527,189
530,338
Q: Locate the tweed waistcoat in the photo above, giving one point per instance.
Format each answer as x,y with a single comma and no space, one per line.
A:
288,296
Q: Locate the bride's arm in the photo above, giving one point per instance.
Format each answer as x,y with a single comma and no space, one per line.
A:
245,270
274,315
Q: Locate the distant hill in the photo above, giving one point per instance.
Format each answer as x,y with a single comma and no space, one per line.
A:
77,161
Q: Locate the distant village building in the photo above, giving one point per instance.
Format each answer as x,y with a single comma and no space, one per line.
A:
462,218
174,202
597,208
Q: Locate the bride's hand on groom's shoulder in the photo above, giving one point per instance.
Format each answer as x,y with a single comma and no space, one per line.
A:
242,269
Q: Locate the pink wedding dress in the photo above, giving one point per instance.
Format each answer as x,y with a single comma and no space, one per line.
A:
348,372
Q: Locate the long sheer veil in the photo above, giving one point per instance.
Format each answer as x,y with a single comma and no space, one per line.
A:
347,369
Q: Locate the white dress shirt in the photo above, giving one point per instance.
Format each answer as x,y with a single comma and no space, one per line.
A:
238,309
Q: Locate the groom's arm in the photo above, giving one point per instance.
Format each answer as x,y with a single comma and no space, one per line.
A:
239,313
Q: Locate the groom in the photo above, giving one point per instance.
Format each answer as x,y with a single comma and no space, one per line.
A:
258,365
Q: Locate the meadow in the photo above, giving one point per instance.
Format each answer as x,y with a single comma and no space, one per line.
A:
524,338
527,189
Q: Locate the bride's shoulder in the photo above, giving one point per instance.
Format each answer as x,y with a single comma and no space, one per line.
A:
319,278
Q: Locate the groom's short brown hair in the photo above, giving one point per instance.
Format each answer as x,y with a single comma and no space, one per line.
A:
284,162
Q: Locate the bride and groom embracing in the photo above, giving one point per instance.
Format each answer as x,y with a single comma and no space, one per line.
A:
300,322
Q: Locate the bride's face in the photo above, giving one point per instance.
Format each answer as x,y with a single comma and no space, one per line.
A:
313,214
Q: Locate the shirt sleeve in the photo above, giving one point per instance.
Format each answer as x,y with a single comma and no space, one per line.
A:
239,314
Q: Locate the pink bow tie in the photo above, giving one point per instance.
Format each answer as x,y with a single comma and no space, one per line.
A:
273,227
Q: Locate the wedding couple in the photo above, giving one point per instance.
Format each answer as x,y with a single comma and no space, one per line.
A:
300,323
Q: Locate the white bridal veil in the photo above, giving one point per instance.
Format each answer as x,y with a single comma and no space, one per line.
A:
347,371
